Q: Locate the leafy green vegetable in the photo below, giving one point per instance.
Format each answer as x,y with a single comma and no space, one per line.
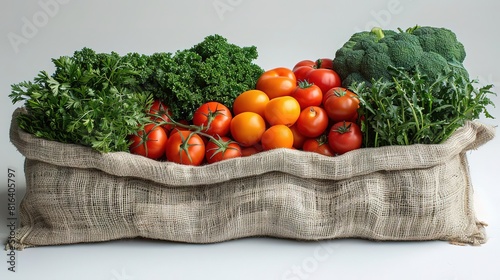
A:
413,108
99,99
91,99
367,55
213,70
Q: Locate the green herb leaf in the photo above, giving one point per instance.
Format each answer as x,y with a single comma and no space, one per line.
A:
92,99
414,109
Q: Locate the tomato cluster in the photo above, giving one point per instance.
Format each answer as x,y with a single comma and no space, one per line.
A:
321,115
302,108
203,140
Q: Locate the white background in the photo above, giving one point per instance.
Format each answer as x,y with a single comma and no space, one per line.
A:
284,33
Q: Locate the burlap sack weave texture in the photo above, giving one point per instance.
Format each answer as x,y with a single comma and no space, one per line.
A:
419,192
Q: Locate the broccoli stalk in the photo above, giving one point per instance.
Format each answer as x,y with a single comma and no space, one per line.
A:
378,32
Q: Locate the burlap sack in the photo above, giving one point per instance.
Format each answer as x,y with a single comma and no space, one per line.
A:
418,192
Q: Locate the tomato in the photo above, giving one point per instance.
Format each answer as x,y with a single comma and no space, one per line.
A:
307,94
277,136
305,62
218,149
326,63
214,117
160,113
341,104
302,72
344,137
247,128
282,110
312,121
183,126
185,147
298,138
277,82
149,142
250,101
251,150
302,68
318,145
324,78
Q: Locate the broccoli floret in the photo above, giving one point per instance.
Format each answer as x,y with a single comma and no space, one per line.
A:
431,64
349,61
404,50
442,41
354,78
374,65
366,56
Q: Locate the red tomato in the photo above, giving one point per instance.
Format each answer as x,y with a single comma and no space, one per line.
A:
307,94
160,113
341,104
221,148
301,73
344,137
324,78
277,82
298,138
185,147
312,121
302,68
306,62
326,63
251,150
176,128
214,117
318,145
149,142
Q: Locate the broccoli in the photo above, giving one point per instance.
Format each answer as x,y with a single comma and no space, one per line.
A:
441,41
367,56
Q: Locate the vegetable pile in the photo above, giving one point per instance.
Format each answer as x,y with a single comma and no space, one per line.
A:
98,99
211,102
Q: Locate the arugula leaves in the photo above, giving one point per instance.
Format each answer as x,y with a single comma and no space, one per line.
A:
414,109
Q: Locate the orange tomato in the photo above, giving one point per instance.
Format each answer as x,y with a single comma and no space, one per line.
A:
277,82
277,136
247,128
250,101
283,110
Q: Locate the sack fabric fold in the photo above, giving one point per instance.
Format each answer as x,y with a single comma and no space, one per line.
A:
405,193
